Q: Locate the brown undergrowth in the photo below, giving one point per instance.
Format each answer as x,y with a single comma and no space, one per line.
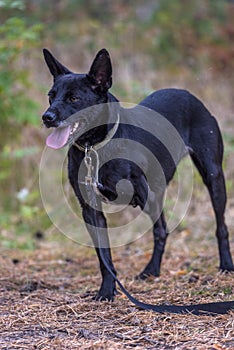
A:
46,296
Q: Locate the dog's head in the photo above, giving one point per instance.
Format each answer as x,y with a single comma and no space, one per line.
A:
72,93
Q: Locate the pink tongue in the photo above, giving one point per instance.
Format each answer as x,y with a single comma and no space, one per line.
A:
59,137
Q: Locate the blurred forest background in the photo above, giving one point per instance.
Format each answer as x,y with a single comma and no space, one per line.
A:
153,44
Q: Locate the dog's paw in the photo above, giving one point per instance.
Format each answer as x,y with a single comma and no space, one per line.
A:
227,269
146,276
104,295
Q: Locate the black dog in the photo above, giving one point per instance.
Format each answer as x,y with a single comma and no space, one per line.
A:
72,93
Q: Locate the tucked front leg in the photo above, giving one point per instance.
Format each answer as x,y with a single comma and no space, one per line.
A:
96,225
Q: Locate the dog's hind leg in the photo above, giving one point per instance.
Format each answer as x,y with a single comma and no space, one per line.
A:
160,236
153,208
207,154
213,178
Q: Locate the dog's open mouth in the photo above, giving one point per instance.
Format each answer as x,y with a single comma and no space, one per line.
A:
63,135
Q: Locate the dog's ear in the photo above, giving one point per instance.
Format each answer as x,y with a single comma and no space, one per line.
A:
100,73
56,68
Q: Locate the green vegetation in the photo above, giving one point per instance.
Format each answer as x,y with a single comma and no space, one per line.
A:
153,44
17,40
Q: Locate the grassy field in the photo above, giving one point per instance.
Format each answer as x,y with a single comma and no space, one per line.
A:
46,293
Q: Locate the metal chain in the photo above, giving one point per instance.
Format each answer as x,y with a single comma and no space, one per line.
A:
89,178
89,166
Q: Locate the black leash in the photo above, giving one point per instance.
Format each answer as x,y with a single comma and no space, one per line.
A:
197,309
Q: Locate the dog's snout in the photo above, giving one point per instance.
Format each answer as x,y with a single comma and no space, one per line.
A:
49,118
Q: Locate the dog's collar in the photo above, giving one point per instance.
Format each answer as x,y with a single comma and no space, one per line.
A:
108,137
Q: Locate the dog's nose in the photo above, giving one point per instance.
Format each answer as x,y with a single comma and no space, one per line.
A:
49,117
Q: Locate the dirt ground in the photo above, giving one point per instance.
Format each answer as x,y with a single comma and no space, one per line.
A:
46,294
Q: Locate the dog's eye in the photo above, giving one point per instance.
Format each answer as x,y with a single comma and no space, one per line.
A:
73,99
51,96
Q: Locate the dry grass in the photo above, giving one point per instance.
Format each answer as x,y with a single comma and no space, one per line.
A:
46,303
46,295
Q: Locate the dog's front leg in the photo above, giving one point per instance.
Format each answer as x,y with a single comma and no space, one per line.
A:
95,222
96,225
